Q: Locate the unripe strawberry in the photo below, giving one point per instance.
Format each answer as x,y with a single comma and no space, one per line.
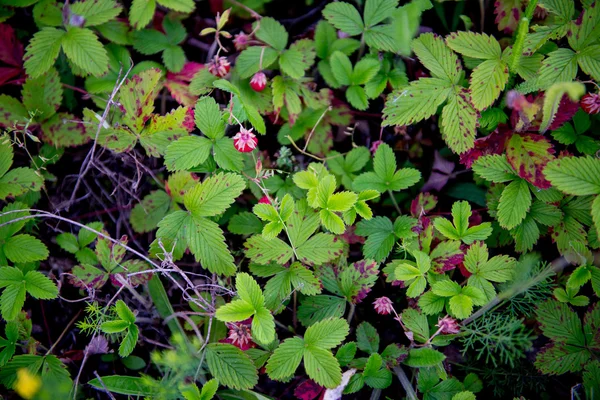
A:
591,103
258,82
219,66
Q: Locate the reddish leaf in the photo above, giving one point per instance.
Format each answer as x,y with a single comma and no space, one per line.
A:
528,154
566,110
422,204
508,14
11,54
178,84
308,390
494,143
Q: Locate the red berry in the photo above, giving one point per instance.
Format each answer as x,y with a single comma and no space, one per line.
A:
258,82
245,141
591,103
264,200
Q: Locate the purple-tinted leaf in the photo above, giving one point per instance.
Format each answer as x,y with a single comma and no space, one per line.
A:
528,154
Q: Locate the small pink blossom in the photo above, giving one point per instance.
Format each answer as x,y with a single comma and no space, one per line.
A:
591,103
219,66
375,146
239,335
383,306
448,325
245,141
240,41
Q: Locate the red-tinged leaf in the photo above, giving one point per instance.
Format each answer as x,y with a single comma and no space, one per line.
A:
527,112
422,204
528,154
11,54
446,258
494,143
11,50
566,110
308,390
508,14
178,83
350,237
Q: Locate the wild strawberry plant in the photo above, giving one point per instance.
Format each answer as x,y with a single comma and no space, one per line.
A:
337,200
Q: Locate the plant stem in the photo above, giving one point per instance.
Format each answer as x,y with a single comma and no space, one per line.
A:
351,312
375,394
410,392
395,202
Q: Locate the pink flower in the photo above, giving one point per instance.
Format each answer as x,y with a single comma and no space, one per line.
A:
245,141
383,306
239,335
264,200
219,66
448,325
375,146
240,41
591,103
258,82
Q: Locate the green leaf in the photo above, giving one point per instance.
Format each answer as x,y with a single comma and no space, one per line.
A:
319,249
14,114
316,308
285,359
43,94
226,156
146,215
528,154
244,223
487,82
115,326
322,367
249,61
12,300
25,248
416,102
424,357
364,71
559,66
18,181
272,33
514,204
207,242
357,97
43,50
437,57
84,49
367,338
494,168
475,45
327,333
578,176
460,230
416,322
126,385
459,121
214,195
39,286
141,12
68,242
96,12
341,67
378,10
264,251
344,17
231,366
208,118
